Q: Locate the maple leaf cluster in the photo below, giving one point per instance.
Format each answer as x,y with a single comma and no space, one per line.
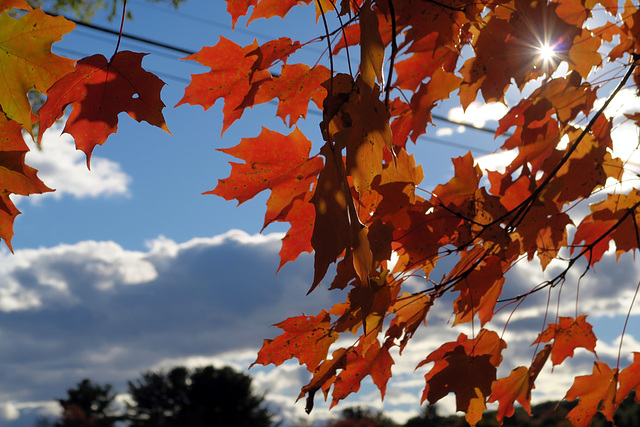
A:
357,201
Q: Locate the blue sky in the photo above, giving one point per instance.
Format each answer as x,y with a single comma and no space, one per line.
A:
129,267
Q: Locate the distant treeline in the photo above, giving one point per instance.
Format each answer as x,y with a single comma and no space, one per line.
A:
212,397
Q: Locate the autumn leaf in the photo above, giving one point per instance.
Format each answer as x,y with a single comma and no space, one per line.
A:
331,231
301,216
479,291
98,90
360,363
609,220
596,392
602,391
231,76
324,377
459,373
517,386
371,47
306,338
464,183
27,61
368,135
271,8
466,368
15,176
295,87
567,335
274,51
414,120
410,312
238,8
9,4
273,161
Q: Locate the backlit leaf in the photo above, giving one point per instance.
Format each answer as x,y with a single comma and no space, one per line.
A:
27,62
98,90
567,335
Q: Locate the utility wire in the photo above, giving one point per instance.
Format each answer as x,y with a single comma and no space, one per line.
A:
129,36
190,52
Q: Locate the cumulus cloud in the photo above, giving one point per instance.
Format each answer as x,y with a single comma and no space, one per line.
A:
477,114
9,412
97,310
64,169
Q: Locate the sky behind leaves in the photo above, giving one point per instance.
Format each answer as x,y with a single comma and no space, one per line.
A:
129,267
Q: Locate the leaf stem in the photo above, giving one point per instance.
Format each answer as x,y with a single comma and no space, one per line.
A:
124,13
394,52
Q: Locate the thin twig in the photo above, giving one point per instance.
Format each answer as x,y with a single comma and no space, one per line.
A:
124,12
394,52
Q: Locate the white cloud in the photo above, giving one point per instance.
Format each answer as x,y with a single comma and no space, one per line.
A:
63,168
444,132
477,114
8,411
97,310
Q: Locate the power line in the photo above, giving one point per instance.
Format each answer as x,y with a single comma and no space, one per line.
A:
191,52
129,36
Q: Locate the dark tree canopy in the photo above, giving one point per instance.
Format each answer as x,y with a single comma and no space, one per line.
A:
88,405
85,9
362,417
204,397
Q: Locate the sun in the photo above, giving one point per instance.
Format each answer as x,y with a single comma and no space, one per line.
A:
546,52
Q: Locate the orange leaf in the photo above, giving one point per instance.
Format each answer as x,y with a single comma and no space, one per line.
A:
459,373
332,227
273,51
367,136
584,53
596,392
238,8
464,183
19,4
567,335
15,176
371,46
324,377
306,338
301,216
374,361
439,88
297,85
604,216
98,90
231,77
479,291
270,8
629,379
517,386
273,161
467,368
27,61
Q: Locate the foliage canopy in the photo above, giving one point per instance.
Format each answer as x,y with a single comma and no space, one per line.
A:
358,202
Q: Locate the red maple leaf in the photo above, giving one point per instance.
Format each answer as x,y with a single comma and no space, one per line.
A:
15,176
27,62
567,335
306,338
374,361
231,77
273,161
98,90
295,87
517,386
602,391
